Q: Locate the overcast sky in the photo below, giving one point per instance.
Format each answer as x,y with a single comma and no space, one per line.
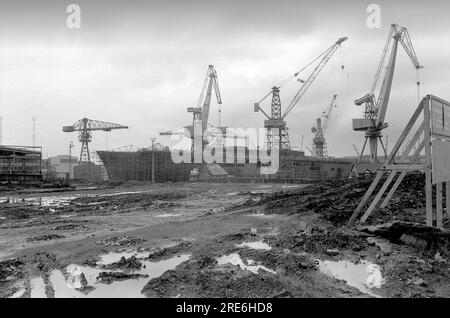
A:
141,64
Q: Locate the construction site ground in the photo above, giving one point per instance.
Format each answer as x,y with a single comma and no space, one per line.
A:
218,240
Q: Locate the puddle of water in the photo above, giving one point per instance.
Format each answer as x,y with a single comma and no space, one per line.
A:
291,186
59,201
235,259
52,201
355,275
263,216
121,193
66,215
37,287
87,188
167,215
259,245
260,191
129,288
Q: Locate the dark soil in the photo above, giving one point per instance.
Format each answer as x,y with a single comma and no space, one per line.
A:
110,277
45,237
127,264
335,201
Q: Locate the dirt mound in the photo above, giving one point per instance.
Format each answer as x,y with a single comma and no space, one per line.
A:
164,253
188,281
45,237
296,276
44,262
284,262
335,201
11,268
70,226
132,200
427,240
21,212
127,264
416,277
320,242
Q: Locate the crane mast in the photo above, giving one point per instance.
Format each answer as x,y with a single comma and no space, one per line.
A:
375,108
212,82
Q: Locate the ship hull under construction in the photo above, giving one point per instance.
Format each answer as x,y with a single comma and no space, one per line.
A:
137,165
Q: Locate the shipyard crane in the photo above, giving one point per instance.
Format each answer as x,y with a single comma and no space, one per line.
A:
375,108
319,146
85,127
275,124
201,111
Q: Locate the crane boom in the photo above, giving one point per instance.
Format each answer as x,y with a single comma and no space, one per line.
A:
400,34
327,114
212,82
326,57
383,97
90,124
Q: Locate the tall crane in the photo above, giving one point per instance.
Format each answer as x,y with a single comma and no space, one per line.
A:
375,108
275,124
319,146
85,127
201,112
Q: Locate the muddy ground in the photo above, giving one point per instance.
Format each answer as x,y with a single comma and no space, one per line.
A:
191,240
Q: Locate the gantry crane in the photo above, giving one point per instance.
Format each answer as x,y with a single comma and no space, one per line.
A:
375,108
85,127
319,146
276,129
201,112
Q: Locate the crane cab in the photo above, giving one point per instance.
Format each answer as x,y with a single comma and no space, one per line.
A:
68,129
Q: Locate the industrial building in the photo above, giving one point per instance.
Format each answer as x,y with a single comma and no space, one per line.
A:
60,167
20,164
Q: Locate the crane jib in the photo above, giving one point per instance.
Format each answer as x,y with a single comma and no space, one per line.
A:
313,76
